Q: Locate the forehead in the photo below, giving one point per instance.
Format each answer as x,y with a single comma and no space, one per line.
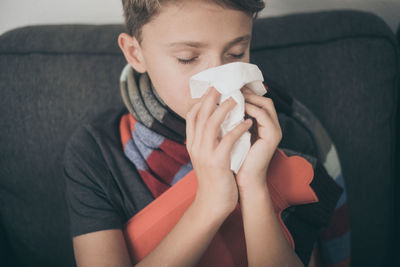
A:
197,21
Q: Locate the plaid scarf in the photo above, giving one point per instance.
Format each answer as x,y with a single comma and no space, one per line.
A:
153,136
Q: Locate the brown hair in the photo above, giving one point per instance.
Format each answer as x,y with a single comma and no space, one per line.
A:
139,12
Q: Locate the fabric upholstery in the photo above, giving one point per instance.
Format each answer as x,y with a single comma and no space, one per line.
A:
52,80
342,64
397,177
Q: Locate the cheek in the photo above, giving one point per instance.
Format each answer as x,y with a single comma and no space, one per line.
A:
172,83
175,92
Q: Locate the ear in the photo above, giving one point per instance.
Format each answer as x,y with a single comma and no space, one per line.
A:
132,52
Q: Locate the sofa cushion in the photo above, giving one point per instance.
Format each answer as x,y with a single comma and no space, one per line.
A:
52,80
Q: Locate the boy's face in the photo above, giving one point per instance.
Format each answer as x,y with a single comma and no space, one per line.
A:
188,37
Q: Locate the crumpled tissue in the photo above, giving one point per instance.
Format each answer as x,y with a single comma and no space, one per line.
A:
229,79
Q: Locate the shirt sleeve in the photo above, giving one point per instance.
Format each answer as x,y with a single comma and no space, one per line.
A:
87,176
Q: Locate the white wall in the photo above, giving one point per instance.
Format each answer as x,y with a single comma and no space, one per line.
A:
16,13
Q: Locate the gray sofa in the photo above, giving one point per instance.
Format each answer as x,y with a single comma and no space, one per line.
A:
344,65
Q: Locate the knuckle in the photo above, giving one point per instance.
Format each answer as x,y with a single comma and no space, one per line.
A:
226,105
269,102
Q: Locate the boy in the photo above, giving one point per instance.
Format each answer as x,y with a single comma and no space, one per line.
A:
173,40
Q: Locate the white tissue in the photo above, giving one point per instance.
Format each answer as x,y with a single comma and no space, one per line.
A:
229,79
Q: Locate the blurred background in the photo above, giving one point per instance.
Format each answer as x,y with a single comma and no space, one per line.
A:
32,12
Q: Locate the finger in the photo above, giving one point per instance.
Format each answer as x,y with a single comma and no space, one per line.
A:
216,120
262,102
263,118
208,105
191,124
266,126
227,142
209,102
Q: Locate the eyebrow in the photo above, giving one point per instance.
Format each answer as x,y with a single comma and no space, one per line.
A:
201,45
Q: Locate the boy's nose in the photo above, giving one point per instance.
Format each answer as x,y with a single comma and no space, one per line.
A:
215,62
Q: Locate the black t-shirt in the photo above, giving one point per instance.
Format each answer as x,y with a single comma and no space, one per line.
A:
104,189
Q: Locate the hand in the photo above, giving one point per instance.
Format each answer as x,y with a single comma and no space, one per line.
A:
267,134
210,155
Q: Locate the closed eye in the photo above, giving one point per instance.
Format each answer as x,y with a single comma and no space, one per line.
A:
237,55
186,61
191,60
